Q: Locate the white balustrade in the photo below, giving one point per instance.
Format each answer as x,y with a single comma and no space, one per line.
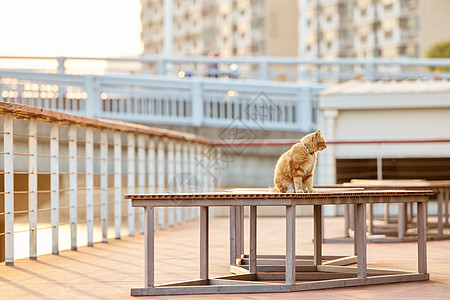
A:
32,185
54,185
194,101
8,150
161,167
73,186
131,181
89,144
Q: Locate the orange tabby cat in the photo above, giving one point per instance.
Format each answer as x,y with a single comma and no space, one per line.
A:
295,168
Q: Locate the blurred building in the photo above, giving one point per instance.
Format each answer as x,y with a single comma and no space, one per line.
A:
393,111
375,28
230,27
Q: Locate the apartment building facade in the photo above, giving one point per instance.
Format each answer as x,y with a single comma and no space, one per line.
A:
375,28
229,27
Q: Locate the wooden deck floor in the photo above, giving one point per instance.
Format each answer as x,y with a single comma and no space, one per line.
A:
109,271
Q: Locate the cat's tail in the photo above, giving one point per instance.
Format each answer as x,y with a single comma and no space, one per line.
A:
273,189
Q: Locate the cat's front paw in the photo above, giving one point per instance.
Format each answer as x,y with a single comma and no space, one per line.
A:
290,191
314,191
310,190
300,191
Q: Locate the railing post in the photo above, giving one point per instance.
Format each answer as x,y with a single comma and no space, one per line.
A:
197,101
219,168
205,163
89,146
131,180
211,174
161,179
117,182
369,70
73,186
188,176
32,186
161,66
92,107
304,110
151,161
264,69
178,177
54,185
104,184
61,66
194,178
8,146
200,174
170,178
141,177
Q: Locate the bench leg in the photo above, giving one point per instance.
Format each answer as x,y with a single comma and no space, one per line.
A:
401,225
421,237
149,231
317,235
233,236
440,204
253,240
447,196
204,242
290,244
360,239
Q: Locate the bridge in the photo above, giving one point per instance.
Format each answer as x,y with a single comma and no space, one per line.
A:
166,100
260,93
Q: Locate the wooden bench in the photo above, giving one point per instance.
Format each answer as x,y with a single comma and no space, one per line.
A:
318,274
403,228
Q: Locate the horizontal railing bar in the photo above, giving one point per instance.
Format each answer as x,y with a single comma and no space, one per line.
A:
59,139
22,211
23,134
39,228
248,60
23,154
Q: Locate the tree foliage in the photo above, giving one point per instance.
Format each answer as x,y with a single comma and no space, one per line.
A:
439,50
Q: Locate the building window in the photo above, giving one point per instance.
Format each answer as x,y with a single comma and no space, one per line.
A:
388,7
363,11
388,34
329,18
329,44
402,50
364,38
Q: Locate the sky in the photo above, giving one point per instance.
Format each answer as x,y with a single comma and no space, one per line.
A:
87,28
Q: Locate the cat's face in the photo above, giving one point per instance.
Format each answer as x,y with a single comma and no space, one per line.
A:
320,141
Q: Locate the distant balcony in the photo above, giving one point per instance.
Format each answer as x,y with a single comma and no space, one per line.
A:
330,22
330,2
364,15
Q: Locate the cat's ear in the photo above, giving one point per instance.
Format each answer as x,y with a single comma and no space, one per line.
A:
318,133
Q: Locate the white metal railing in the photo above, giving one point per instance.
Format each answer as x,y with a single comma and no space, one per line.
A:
78,168
261,68
165,100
